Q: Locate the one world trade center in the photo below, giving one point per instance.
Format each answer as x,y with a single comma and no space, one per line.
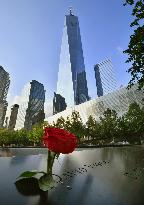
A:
72,83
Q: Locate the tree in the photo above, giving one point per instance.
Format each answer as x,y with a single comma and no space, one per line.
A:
8,137
135,49
22,137
122,129
4,137
92,128
135,123
68,123
60,123
35,135
109,126
75,125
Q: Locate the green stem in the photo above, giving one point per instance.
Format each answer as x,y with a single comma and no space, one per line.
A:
50,161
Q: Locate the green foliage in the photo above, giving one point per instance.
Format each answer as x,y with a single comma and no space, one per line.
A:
72,123
109,125
11,137
35,135
46,182
92,128
60,123
135,49
122,129
28,174
135,123
76,125
68,123
22,137
110,128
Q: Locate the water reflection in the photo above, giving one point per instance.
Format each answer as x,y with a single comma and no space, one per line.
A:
30,187
5,152
83,191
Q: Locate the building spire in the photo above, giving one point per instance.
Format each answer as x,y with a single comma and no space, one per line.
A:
70,10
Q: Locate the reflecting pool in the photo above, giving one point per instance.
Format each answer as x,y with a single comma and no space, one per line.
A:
98,176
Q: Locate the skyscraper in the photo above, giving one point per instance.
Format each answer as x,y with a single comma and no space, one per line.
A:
72,83
13,116
105,77
4,86
59,104
31,105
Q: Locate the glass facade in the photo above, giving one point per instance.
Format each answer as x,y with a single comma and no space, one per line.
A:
118,100
72,83
105,77
4,86
59,104
31,105
13,116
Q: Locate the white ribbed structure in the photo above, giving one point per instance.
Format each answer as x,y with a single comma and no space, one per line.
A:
118,100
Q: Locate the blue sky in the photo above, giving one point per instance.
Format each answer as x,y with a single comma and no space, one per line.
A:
31,33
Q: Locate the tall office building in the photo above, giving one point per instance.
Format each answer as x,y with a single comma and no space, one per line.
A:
39,117
4,86
72,83
31,105
59,104
105,77
13,116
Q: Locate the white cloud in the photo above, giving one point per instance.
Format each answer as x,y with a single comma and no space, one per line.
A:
11,101
16,100
48,108
120,49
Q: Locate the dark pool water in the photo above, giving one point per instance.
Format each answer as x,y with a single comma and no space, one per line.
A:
101,176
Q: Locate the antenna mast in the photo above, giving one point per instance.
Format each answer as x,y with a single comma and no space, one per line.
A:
70,9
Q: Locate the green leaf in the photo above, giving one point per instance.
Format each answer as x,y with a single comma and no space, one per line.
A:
29,174
46,182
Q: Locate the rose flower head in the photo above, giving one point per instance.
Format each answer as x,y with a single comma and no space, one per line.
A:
59,140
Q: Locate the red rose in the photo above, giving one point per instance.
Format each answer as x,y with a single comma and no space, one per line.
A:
59,140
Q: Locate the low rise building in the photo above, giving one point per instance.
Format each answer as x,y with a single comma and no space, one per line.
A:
118,100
